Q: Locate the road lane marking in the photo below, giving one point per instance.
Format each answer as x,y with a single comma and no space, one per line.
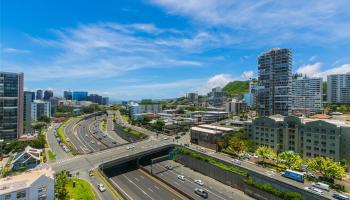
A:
138,187
172,171
119,188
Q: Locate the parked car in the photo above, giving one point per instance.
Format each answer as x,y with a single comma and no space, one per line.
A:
201,192
199,182
101,187
130,147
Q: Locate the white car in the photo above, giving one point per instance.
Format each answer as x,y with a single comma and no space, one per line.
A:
181,177
314,190
166,138
130,147
101,187
236,161
199,182
92,142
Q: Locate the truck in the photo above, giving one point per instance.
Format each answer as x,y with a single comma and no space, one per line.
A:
320,185
294,175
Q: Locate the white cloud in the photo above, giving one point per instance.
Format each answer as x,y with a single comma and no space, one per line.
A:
277,21
13,50
246,75
109,49
314,70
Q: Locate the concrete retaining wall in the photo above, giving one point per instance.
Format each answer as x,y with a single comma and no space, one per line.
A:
237,181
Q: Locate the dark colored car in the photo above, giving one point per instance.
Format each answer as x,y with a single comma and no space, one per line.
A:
201,192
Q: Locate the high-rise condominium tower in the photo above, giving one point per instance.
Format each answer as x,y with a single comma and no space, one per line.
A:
275,82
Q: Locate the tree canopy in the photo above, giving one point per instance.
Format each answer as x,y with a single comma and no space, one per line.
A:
326,166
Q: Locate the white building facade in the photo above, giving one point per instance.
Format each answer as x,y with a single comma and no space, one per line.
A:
338,89
307,95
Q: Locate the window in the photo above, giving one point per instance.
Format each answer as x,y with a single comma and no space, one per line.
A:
7,196
331,152
21,194
332,137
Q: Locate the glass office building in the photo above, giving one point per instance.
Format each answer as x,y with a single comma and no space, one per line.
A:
11,105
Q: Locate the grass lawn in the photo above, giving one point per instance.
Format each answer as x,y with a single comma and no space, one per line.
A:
133,132
125,117
52,155
82,190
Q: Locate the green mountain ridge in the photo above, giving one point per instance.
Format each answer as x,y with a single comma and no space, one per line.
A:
236,87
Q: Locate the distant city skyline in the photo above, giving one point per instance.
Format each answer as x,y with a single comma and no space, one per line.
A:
165,49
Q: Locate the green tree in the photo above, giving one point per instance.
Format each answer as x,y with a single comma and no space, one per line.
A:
236,145
60,185
326,167
265,152
44,119
291,159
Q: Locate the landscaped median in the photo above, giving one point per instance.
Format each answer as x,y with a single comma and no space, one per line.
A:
210,160
134,133
82,189
60,133
230,174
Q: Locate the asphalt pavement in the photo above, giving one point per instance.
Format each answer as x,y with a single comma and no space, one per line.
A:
69,132
53,143
136,185
215,189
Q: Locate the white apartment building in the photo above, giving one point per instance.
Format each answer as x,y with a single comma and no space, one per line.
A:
338,89
307,95
34,185
40,108
235,106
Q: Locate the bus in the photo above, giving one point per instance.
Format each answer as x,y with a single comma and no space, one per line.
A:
294,175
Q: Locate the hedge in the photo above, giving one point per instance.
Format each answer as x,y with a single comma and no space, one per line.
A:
267,187
208,159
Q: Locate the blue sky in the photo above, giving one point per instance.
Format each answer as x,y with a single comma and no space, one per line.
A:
163,49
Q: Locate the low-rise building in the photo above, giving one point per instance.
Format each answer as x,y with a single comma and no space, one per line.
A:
36,184
213,116
28,159
206,137
308,137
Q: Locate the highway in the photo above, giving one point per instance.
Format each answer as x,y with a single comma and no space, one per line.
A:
76,143
137,185
87,138
94,128
86,162
215,189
